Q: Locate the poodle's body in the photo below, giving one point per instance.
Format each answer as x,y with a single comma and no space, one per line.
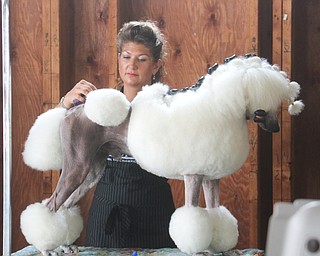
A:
199,135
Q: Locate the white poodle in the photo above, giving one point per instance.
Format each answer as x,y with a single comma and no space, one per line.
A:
198,134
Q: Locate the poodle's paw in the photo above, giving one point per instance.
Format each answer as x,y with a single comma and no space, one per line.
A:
107,107
49,253
225,229
190,229
69,248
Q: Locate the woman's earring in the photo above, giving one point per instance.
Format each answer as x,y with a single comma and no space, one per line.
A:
153,78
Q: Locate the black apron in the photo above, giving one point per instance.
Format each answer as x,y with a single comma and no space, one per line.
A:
131,208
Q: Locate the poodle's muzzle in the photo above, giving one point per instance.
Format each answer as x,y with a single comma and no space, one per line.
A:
267,121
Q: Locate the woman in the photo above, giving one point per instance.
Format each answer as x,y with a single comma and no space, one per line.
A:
131,207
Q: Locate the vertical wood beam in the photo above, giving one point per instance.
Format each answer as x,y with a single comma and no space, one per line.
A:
282,10
253,139
51,73
276,138
113,27
286,118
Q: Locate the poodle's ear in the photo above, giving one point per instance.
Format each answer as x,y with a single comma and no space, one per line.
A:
42,150
107,107
295,106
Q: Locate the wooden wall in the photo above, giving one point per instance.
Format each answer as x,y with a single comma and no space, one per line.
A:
27,55
55,43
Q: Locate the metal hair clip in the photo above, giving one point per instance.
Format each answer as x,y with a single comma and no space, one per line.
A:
158,42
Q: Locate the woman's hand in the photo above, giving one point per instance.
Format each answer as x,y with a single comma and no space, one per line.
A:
77,95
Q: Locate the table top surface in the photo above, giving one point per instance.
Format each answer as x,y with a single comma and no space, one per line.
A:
88,251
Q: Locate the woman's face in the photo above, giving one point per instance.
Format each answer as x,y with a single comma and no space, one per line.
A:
136,65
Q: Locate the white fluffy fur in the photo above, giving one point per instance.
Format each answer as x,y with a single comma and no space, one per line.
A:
47,230
190,229
296,107
225,230
42,150
211,119
74,223
107,107
166,130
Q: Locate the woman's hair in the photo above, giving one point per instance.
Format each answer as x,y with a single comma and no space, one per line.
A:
148,34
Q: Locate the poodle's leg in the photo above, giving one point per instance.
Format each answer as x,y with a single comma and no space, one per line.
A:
189,227
74,222
192,184
83,142
93,177
211,193
224,225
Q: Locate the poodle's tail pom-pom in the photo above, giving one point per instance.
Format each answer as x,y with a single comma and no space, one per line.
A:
295,107
107,107
47,230
44,229
190,230
42,149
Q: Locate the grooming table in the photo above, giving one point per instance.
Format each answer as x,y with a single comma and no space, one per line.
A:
89,251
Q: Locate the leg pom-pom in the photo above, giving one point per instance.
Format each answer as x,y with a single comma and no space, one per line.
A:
225,229
107,107
42,150
43,228
47,230
74,223
190,229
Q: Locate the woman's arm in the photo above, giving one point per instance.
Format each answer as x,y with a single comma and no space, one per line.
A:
77,95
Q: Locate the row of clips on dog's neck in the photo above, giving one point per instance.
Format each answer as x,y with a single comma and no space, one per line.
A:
210,71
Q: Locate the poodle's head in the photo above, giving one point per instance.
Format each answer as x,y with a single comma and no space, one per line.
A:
266,89
252,86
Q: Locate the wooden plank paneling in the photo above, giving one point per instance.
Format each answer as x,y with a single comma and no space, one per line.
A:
95,56
276,141
51,74
66,35
286,134
95,42
282,141
49,57
26,62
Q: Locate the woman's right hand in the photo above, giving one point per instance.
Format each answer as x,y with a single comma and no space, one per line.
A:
77,95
